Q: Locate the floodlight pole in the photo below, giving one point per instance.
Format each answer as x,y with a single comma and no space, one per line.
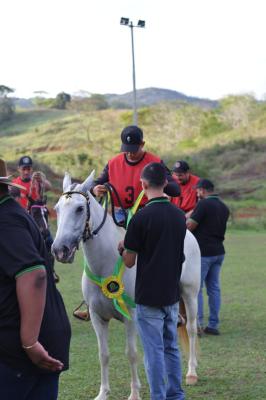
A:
141,24
135,113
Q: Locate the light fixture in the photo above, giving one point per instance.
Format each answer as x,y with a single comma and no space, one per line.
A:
124,21
141,23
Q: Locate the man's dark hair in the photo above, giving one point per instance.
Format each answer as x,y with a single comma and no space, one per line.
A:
155,174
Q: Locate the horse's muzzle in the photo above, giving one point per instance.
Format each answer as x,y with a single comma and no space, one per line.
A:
64,254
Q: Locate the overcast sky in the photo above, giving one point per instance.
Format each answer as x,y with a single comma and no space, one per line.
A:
204,48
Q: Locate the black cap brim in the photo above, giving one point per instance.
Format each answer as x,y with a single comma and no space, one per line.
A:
129,148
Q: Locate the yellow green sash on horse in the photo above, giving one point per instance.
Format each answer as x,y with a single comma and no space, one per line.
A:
112,286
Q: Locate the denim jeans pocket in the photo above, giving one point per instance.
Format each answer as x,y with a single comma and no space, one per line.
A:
148,311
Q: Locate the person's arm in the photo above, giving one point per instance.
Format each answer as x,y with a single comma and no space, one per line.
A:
197,216
39,179
98,189
172,188
31,295
131,246
129,257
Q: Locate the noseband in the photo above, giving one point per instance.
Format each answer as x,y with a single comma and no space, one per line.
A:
87,233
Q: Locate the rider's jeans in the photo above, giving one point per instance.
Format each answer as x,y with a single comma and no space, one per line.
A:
158,333
17,385
210,275
120,215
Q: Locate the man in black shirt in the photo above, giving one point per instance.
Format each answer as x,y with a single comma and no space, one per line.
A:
208,223
156,235
34,328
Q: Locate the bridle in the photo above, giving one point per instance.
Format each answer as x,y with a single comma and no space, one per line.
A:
87,233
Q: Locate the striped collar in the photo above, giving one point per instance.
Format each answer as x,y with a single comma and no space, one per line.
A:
157,200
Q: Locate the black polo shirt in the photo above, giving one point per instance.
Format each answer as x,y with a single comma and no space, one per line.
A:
156,233
22,247
211,215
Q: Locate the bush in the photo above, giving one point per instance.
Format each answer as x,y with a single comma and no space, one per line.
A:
7,109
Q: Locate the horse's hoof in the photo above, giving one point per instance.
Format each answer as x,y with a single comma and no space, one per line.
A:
134,397
102,395
191,379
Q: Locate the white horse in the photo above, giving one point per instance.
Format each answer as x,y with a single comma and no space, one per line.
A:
80,216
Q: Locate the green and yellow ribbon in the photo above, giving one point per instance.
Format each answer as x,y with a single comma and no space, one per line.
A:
112,286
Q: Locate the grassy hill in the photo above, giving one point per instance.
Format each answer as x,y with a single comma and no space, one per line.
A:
226,144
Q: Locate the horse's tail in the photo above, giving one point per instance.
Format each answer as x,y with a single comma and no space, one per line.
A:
182,332
184,341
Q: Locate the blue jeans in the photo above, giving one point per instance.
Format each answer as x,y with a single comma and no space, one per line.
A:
16,385
158,333
210,274
120,216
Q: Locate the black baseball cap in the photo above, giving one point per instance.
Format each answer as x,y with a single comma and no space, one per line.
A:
181,166
205,184
25,161
131,137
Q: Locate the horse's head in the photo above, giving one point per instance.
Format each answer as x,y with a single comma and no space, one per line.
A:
72,216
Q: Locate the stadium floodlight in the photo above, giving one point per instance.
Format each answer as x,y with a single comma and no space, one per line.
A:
124,21
141,24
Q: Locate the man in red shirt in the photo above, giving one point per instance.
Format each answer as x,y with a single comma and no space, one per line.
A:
24,179
187,182
123,171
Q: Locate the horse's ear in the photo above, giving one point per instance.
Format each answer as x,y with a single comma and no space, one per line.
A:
66,181
87,184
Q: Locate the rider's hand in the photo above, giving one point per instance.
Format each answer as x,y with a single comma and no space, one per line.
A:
40,357
99,190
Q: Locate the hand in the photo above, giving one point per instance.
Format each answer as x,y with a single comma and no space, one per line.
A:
121,247
40,357
38,177
99,190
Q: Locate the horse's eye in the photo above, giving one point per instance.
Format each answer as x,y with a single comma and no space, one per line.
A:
79,209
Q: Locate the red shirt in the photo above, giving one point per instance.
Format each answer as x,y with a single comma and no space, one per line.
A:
125,177
23,199
188,197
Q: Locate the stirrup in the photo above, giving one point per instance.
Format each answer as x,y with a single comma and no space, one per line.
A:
77,313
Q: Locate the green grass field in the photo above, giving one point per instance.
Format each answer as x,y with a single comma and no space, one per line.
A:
231,366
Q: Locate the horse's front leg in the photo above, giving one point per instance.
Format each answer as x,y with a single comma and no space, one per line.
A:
131,352
191,304
101,329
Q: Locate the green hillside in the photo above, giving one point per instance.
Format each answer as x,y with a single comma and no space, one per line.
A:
226,144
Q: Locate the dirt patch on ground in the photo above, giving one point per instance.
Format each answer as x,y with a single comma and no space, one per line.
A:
250,212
